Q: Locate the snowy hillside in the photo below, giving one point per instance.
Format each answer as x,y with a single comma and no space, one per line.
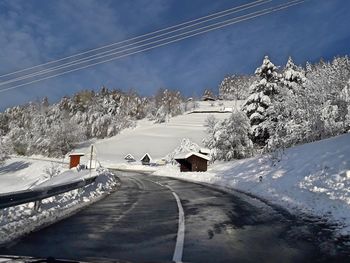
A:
20,173
312,178
159,139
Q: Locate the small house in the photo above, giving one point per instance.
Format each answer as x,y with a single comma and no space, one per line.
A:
74,159
208,98
193,162
129,158
146,159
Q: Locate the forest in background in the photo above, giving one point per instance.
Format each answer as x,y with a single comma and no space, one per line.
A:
283,107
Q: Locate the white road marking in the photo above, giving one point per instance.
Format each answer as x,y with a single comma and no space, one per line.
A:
177,257
180,239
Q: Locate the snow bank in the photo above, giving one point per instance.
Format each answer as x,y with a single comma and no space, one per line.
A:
312,178
19,220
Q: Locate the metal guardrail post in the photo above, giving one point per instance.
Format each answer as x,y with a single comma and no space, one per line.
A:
37,205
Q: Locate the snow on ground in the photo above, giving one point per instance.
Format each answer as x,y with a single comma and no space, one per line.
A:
19,173
158,139
312,178
19,220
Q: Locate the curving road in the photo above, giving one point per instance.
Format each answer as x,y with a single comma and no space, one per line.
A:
140,222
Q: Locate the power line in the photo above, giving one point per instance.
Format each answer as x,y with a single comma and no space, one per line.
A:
271,10
137,37
99,55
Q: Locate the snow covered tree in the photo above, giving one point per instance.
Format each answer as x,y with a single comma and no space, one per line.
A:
230,138
262,94
185,146
4,151
210,123
208,94
168,103
293,77
285,113
235,87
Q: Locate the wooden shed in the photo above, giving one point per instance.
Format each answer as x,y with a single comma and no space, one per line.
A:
146,159
74,159
193,162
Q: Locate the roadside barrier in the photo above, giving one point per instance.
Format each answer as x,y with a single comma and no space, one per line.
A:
39,193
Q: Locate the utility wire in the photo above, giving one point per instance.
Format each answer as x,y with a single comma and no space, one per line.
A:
110,52
141,36
97,56
247,17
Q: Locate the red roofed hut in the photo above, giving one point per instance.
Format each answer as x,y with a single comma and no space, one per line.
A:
193,162
74,159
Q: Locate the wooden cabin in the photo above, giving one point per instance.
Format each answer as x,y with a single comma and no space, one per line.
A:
146,159
74,159
193,162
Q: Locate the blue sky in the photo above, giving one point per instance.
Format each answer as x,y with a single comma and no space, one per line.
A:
37,31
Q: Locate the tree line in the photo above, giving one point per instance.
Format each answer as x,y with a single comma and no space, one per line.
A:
282,108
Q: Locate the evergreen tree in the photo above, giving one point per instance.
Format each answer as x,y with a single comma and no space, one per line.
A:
262,93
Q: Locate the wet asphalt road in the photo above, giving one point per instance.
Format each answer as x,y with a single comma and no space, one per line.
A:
139,223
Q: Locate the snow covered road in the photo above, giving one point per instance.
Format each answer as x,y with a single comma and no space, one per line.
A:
139,222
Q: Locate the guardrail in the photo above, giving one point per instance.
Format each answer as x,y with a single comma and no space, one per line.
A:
39,193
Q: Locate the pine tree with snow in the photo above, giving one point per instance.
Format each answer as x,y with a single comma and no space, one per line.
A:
293,77
262,93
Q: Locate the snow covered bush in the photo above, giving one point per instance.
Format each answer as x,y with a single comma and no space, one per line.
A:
3,151
52,170
229,139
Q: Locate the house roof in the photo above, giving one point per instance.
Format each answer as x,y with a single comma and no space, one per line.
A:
187,155
149,156
129,157
76,154
204,150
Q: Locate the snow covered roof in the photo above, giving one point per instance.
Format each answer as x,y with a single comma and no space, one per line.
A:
129,157
146,154
187,155
204,150
76,154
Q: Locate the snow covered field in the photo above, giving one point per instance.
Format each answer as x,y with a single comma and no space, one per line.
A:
19,173
312,178
158,139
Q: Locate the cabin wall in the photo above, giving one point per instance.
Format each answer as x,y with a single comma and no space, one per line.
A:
198,164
